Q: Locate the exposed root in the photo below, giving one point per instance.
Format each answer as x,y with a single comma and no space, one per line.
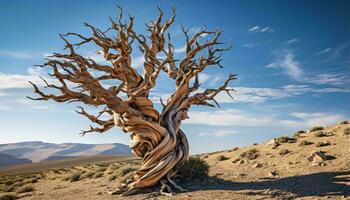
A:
164,186
175,185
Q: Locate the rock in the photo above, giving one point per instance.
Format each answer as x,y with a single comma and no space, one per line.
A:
236,160
241,161
317,158
257,165
273,174
273,143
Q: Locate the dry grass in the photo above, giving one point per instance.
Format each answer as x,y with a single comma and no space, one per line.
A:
122,171
323,143
285,139
98,175
194,168
221,158
75,177
347,131
304,143
25,188
284,152
316,128
320,134
8,197
250,154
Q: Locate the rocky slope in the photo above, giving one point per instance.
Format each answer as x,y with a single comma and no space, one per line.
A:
7,160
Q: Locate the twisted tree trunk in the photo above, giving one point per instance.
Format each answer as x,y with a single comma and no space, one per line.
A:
157,138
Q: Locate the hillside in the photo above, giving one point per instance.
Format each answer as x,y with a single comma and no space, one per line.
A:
37,151
309,165
7,160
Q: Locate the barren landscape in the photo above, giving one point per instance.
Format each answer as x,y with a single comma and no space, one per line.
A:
308,165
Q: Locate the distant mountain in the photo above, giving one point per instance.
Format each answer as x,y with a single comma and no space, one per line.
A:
37,151
7,160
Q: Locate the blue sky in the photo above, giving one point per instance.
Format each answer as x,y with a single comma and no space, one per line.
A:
292,59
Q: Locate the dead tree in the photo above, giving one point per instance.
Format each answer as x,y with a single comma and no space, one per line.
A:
156,137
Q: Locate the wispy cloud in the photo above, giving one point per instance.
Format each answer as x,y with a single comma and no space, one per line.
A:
329,78
286,61
16,55
293,40
239,118
326,50
258,29
218,133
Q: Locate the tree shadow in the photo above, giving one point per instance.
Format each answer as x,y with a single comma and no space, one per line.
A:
317,184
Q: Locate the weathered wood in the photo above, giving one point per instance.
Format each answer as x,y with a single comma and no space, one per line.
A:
156,137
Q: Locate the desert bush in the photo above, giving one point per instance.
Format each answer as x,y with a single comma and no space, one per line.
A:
221,158
66,178
114,167
6,188
344,122
89,174
8,197
304,143
25,188
194,168
75,177
122,171
320,134
126,177
285,139
31,180
250,154
101,169
284,152
98,175
112,177
323,143
347,131
298,133
316,128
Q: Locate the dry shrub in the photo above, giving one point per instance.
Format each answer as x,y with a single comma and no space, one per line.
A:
347,131
323,143
284,152
122,171
194,168
75,177
320,134
250,154
316,128
25,188
344,122
221,158
98,175
304,143
8,197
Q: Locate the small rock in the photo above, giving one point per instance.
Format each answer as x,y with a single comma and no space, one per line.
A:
273,174
257,165
317,158
273,143
241,161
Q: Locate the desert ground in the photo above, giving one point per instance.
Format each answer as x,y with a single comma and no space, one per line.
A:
313,164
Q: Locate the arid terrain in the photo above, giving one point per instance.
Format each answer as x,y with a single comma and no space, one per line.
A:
314,164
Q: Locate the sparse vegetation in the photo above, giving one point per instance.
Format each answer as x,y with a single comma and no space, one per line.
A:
284,152
250,154
323,143
221,158
112,177
194,168
320,134
304,143
126,177
8,197
347,131
316,128
285,139
89,174
122,171
75,177
98,175
25,188
298,133
344,122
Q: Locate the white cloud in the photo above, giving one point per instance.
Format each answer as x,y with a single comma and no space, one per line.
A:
286,61
17,81
257,29
293,40
218,133
324,51
235,117
328,78
138,61
180,49
16,55
250,45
